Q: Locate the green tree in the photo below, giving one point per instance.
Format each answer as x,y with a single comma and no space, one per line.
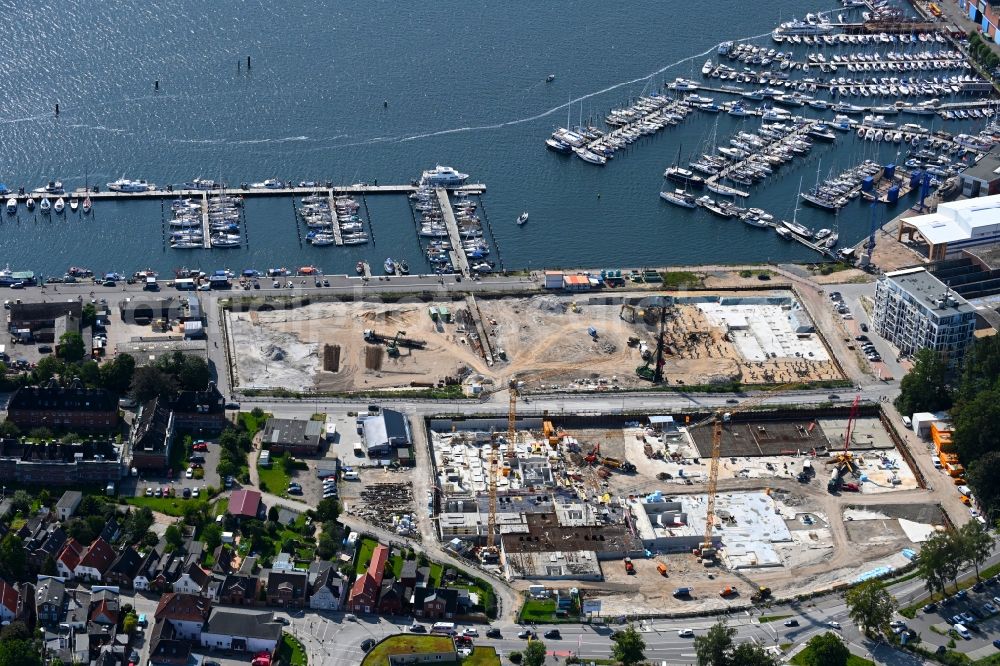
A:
88,372
327,510
137,523
71,346
976,544
938,562
534,654
21,501
272,514
752,654
116,375
20,653
174,536
629,647
12,558
9,429
89,314
194,374
130,623
149,540
977,425
80,529
712,649
982,475
871,606
827,650
327,545
15,631
924,388
149,382
40,434
212,536
47,368
49,567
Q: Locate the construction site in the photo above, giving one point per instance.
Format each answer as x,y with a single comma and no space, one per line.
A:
550,342
739,507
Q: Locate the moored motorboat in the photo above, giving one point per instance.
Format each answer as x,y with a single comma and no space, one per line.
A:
359,268
45,206
74,204
390,266
11,206
87,205
30,204
59,206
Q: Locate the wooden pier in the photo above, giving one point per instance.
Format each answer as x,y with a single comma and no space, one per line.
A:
459,260
798,133
206,234
338,235
174,193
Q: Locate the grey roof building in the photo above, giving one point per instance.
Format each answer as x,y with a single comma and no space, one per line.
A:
385,432
915,310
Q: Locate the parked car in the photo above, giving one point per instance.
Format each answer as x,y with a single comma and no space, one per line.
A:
470,632
962,631
417,628
367,644
864,327
44,349
791,623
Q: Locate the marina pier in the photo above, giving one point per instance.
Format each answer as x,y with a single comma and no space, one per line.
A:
291,191
205,227
458,258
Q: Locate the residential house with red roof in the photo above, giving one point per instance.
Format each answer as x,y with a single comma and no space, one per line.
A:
244,503
96,561
367,588
69,558
9,597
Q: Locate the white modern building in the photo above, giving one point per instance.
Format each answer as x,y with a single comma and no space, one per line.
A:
914,310
955,226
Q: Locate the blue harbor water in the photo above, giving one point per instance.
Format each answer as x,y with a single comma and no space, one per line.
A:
465,86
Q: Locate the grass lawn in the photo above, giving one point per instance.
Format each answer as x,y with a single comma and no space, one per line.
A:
680,279
773,618
482,656
538,610
274,477
407,644
802,659
219,508
291,652
253,425
365,550
435,574
170,506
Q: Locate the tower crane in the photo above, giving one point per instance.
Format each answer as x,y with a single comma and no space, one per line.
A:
717,419
490,551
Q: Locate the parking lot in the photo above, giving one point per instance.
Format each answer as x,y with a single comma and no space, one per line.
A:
148,484
973,610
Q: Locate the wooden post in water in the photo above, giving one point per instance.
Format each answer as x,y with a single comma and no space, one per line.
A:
248,63
57,108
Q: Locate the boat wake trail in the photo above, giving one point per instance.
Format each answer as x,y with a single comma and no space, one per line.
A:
548,112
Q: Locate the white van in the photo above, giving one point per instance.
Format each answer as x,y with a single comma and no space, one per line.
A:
350,617
907,422
351,476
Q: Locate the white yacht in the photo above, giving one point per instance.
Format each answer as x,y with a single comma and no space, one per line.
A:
443,176
269,184
679,198
126,185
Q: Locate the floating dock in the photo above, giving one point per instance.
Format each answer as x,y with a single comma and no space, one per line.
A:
458,258
174,193
338,234
206,234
